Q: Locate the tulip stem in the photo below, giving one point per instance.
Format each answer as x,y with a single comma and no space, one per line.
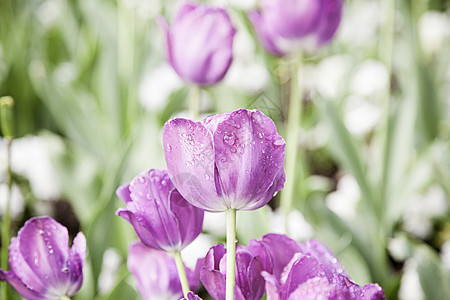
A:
64,297
231,253
181,273
194,102
6,105
292,133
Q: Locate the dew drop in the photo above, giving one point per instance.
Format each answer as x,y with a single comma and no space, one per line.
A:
233,150
163,182
229,138
207,176
141,179
65,270
278,142
168,147
261,135
51,251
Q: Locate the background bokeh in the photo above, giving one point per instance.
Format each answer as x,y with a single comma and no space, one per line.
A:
92,91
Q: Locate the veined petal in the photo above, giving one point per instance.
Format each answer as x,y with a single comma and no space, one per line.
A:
249,155
214,283
77,257
189,152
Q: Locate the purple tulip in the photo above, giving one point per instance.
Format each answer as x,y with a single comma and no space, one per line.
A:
156,273
161,217
312,273
199,43
42,264
291,25
229,160
250,262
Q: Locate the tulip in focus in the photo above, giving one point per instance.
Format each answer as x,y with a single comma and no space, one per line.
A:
42,264
288,26
156,273
225,161
161,217
199,43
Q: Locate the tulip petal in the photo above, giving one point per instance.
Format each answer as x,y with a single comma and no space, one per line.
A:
249,155
189,218
24,290
324,256
330,19
189,155
214,283
77,257
243,260
49,243
281,248
315,288
305,268
21,269
271,286
123,192
155,272
264,34
255,279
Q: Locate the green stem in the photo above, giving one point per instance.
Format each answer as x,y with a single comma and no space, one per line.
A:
231,253
292,133
64,297
194,102
6,124
181,273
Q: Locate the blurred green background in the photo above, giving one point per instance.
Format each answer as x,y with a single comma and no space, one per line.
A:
92,91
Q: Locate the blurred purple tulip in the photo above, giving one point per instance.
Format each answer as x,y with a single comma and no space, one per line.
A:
42,264
250,262
229,160
156,273
291,25
312,273
199,43
161,217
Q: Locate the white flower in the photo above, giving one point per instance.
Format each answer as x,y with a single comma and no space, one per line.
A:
157,86
420,210
16,204
434,31
344,200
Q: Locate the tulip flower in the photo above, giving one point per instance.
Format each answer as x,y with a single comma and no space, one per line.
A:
42,264
313,273
226,161
161,217
156,273
291,25
199,43
250,262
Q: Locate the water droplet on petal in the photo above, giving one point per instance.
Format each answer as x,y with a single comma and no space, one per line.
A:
207,176
168,147
141,179
229,138
278,142
233,150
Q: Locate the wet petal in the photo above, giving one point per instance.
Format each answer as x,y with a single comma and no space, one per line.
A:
249,155
189,153
324,256
43,243
302,269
